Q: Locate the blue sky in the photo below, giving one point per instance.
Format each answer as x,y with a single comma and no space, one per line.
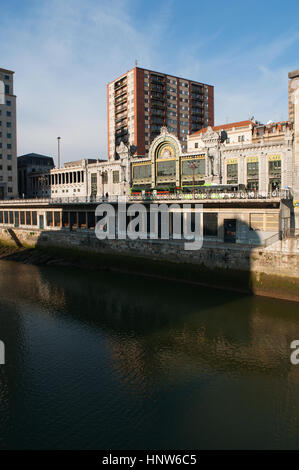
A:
64,52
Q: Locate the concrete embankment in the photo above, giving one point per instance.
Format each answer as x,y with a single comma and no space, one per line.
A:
269,272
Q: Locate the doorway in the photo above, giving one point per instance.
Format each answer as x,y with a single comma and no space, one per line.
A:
230,229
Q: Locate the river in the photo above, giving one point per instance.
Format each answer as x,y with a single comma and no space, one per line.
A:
101,360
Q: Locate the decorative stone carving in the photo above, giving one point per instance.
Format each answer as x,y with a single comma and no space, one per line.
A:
122,150
210,137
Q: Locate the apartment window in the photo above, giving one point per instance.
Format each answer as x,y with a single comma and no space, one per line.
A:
6,77
9,146
241,138
8,135
7,89
8,113
9,190
9,167
8,124
196,145
8,103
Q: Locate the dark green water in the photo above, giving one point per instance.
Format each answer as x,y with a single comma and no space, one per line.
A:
108,361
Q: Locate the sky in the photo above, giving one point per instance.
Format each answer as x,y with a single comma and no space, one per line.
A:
64,52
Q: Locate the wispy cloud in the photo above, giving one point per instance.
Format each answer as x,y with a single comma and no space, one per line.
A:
64,53
63,60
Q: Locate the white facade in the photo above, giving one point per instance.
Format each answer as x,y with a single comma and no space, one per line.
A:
8,137
84,178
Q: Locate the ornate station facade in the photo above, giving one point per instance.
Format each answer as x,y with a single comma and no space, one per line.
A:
248,154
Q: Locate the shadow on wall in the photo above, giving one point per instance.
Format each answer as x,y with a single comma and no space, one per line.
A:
226,266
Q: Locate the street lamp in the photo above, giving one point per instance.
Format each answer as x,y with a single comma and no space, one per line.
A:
58,145
42,181
193,166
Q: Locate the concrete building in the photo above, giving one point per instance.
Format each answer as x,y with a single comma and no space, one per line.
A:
292,86
29,165
82,179
8,136
294,115
141,101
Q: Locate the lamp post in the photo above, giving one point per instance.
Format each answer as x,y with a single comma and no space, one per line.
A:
58,150
193,166
42,182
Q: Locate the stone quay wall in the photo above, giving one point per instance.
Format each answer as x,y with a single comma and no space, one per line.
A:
279,259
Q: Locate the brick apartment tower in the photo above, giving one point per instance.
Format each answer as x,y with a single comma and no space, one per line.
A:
141,101
8,137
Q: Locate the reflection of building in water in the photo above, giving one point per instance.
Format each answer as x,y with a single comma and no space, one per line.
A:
152,333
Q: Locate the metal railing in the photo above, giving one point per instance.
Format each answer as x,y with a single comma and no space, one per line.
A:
218,195
199,196
62,200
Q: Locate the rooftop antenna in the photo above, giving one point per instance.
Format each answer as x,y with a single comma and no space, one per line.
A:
136,62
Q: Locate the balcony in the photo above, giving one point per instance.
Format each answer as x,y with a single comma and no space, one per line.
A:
120,84
197,112
121,100
121,132
157,80
159,88
158,104
121,125
120,109
157,112
159,96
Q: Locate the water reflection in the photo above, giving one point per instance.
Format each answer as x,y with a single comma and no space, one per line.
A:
101,360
